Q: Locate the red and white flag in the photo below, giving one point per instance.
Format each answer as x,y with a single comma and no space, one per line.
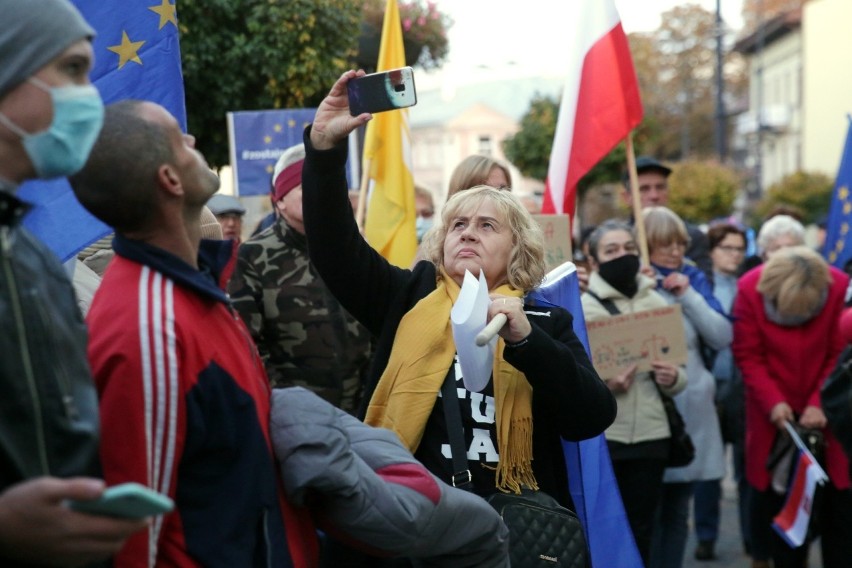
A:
793,520
600,102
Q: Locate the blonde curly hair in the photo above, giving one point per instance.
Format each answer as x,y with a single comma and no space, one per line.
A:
526,267
796,281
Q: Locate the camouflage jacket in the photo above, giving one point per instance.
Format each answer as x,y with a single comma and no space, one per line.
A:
304,335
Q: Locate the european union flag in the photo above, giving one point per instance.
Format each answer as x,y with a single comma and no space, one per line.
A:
591,480
137,56
838,239
258,138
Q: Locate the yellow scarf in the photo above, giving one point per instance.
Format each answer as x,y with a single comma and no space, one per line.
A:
423,350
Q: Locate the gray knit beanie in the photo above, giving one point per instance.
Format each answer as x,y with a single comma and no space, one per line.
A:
33,33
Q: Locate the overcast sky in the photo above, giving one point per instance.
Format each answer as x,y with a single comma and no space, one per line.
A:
509,37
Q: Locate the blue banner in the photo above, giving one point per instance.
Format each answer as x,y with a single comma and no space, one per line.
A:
137,56
591,480
258,138
838,238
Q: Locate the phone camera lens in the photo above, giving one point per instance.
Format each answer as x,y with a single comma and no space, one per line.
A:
399,88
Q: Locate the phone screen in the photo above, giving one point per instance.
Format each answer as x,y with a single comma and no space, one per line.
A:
379,92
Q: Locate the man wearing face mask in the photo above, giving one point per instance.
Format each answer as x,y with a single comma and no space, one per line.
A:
638,440
50,116
304,335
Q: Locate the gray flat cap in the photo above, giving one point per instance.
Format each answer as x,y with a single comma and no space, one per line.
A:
220,204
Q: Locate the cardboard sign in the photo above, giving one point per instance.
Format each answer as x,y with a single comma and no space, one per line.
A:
557,239
619,341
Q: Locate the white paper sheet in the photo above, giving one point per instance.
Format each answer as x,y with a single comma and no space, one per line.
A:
468,318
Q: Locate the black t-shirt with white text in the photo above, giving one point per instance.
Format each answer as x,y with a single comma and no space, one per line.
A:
480,436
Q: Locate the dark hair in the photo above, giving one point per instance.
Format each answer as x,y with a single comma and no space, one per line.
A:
117,183
785,209
606,227
717,233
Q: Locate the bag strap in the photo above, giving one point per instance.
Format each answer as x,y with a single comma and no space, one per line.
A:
608,304
462,477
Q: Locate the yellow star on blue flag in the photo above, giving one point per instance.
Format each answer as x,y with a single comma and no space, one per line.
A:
137,56
259,138
838,249
167,13
127,50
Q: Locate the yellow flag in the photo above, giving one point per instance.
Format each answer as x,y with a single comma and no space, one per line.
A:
391,214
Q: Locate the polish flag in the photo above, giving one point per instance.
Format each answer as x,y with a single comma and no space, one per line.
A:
600,102
793,520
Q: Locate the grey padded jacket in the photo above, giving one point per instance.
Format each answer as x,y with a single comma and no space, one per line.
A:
365,487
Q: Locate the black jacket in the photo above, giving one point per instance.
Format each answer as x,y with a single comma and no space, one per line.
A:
569,399
48,405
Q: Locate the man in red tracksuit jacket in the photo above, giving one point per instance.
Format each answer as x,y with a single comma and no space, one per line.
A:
184,399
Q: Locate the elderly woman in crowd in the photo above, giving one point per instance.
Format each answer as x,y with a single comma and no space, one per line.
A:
786,343
683,283
639,439
543,385
779,232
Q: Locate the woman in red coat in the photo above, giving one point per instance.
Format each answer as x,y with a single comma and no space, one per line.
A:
786,342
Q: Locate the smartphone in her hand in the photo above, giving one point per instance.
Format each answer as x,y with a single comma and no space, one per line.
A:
127,500
380,92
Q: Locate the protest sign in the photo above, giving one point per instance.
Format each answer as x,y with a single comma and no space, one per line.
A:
557,238
641,337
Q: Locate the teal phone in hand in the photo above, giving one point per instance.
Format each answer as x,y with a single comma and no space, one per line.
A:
128,500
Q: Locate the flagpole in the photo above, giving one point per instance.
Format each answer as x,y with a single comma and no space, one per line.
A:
636,201
362,194
801,445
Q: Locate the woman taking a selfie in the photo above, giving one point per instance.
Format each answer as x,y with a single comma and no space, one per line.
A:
543,386
639,438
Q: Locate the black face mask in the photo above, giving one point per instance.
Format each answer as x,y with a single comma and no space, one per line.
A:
620,273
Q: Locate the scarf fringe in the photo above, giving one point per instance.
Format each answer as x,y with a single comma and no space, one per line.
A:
515,468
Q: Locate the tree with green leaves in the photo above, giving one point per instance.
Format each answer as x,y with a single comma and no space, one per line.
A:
702,190
260,54
529,148
808,192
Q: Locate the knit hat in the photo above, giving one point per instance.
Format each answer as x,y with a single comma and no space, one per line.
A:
287,174
34,33
210,227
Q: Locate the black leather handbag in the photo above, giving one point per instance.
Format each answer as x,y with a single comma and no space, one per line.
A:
681,448
541,531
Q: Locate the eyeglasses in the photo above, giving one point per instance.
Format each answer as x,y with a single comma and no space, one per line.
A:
671,246
731,250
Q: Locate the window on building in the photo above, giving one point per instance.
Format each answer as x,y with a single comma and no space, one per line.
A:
484,145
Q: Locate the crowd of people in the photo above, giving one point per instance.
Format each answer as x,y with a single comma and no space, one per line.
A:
260,384
762,338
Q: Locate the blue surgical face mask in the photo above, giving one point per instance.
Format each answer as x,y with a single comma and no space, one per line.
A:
62,149
422,225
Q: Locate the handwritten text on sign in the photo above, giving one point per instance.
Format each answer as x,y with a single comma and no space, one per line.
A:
641,337
557,238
